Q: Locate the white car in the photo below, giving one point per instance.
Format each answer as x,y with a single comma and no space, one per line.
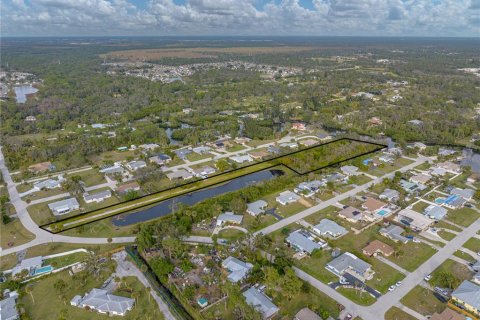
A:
391,288
428,277
398,284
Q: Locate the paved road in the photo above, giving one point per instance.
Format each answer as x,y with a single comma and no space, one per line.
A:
125,269
305,213
390,299
41,236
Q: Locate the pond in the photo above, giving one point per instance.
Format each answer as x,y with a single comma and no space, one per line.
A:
21,92
472,159
168,206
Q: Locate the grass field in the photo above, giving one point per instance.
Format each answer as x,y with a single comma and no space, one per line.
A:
48,303
423,301
396,314
14,234
446,235
89,177
231,234
361,298
473,244
458,270
463,216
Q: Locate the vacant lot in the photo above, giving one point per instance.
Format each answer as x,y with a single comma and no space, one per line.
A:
397,314
197,53
423,301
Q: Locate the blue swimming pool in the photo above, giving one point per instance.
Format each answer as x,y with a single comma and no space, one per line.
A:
439,200
42,270
383,212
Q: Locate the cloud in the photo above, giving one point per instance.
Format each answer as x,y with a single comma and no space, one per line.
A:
241,17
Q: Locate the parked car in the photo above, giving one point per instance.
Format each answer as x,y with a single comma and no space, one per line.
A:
398,284
428,277
391,288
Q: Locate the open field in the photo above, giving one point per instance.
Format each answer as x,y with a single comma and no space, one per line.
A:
14,234
397,314
423,301
200,52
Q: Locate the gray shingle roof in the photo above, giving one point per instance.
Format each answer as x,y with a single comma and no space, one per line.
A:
301,240
347,261
327,226
103,301
8,309
257,207
469,293
64,206
237,268
260,302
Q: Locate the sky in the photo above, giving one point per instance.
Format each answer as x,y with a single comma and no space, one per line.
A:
438,18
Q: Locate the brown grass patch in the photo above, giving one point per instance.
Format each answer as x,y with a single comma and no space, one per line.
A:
197,53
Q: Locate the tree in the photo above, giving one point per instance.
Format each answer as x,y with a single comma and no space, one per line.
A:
145,239
94,265
291,284
162,267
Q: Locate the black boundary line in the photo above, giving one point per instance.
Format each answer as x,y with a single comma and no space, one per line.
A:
380,147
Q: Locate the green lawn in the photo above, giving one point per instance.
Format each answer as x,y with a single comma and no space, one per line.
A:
411,255
444,224
195,156
396,314
231,234
14,234
48,303
384,277
464,256
90,177
361,298
446,235
423,301
458,270
235,148
420,206
463,216
473,244
69,259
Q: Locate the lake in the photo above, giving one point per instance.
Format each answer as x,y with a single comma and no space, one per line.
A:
166,207
21,92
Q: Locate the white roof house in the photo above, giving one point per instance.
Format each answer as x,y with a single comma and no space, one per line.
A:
256,208
468,295
287,197
435,212
201,149
241,159
466,194
260,302
8,309
229,217
308,189
113,170
160,159
350,170
64,206
135,165
149,146
103,302
29,264
179,174
329,228
97,197
414,220
237,269
204,171
48,184
389,194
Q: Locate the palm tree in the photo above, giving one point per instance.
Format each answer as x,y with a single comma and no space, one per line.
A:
94,265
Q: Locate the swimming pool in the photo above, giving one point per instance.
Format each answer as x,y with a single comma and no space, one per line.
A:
42,270
439,200
383,212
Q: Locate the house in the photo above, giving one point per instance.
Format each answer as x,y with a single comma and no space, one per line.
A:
149,146
467,295
256,208
287,197
99,126
306,314
416,221
204,171
416,122
420,178
291,145
48,184
336,177
135,165
182,153
64,206
351,214
229,217
435,212
308,189
42,167
375,247
242,140
476,266
454,202
273,149
30,119
411,187
258,155
445,152
241,159
238,270
179,174
390,195
350,170
324,136
97,197
160,159
303,241
127,187
30,265
350,263
300,126
394,232
8,309
329,228
473,178
438,172
112,170
419,145
372,205
201,150
308,142
386,158
103,302
447,314
450,167
260,302
466,194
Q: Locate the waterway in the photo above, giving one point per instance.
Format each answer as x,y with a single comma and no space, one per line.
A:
169,206
21,92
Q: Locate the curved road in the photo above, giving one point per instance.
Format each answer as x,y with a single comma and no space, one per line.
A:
41,236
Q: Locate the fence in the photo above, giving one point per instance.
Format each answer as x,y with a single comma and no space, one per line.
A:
172,302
